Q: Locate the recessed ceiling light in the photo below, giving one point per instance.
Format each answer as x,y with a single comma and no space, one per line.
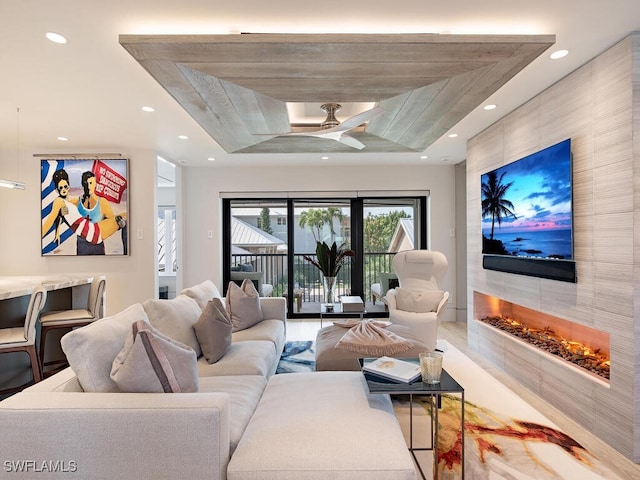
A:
445,159
453,135
559,54
56,38
63,139
183,137
490,106
182,162
324,158
424,157
211,159
148,109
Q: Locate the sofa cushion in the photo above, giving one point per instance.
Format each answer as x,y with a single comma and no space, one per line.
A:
175,318
255,357
202,293
348,433
213,330
243,305
244,394
418,301
271,330
151,362
91,350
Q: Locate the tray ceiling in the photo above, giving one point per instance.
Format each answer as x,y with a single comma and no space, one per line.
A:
237,86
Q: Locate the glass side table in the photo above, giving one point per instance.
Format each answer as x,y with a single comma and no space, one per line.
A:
337,312
447,385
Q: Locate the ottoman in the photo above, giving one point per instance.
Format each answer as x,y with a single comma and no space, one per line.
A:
319,426
330,358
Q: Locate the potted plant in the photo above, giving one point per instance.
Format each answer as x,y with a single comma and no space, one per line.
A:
330,260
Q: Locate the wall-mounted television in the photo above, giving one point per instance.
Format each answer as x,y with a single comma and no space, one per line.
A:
527,219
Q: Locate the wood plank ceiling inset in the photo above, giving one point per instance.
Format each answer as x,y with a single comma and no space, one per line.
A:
236,86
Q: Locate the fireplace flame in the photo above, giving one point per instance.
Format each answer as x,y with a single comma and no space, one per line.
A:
574,351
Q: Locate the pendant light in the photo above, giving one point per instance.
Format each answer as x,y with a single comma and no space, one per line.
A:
13,183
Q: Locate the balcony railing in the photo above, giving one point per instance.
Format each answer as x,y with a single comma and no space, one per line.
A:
307,278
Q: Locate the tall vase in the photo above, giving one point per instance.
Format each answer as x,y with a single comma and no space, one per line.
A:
329,284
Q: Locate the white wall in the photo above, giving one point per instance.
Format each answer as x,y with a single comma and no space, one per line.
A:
130,279
202,187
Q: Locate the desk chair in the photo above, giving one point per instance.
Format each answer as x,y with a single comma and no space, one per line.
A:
23,339
70,319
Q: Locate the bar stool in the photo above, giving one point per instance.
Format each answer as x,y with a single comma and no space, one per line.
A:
23,339
70,319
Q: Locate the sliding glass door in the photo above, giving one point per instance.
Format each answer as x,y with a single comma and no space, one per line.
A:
267,240
325,220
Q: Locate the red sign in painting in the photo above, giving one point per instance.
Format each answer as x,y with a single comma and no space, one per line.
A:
109,183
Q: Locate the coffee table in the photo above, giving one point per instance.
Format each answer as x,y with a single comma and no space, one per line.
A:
377,384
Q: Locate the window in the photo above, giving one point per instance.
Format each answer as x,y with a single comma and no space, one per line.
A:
166,224
272,236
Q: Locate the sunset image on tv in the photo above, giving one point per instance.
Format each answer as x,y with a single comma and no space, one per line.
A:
526,206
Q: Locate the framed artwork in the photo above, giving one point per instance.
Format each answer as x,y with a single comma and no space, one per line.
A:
84,208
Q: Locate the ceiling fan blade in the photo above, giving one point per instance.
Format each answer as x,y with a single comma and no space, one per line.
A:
350,141
359,119
337,132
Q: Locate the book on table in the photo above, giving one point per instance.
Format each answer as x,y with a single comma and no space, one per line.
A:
393,369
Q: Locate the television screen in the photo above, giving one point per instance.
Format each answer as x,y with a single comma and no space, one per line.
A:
526,212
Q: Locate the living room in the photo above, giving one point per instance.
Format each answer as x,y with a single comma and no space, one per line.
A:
453,187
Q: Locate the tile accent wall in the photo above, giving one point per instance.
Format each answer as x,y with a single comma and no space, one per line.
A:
598,107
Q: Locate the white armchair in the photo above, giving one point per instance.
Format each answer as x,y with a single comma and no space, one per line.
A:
418,302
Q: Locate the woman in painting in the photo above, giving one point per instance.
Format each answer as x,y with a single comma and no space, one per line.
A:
98,211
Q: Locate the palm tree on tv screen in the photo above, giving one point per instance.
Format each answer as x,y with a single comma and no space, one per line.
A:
494,203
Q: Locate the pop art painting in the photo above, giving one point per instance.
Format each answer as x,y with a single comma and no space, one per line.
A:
84,208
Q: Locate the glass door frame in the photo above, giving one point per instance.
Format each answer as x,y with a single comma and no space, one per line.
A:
357,239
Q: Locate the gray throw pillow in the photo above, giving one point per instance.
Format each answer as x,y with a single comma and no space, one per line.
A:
418,301
151,362
213,330
243,305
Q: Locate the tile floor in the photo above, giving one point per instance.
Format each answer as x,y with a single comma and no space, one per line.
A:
456,334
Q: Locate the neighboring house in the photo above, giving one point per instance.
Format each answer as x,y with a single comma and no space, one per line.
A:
304,240
277,217
251,239
402,238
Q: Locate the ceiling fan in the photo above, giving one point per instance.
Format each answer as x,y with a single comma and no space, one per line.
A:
332,129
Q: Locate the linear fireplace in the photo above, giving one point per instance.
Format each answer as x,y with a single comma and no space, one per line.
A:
579,346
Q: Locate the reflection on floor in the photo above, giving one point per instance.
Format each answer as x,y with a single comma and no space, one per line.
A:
456,334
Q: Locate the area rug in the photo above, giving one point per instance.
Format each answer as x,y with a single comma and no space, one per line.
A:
505,437
298,356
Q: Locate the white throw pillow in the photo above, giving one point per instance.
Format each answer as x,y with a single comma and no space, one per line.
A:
418,301
243,305
151,362
91,350
175,318
202,293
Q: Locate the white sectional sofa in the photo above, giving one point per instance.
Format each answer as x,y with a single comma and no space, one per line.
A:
58,427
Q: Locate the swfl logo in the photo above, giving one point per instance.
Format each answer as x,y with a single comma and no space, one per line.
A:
52,466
